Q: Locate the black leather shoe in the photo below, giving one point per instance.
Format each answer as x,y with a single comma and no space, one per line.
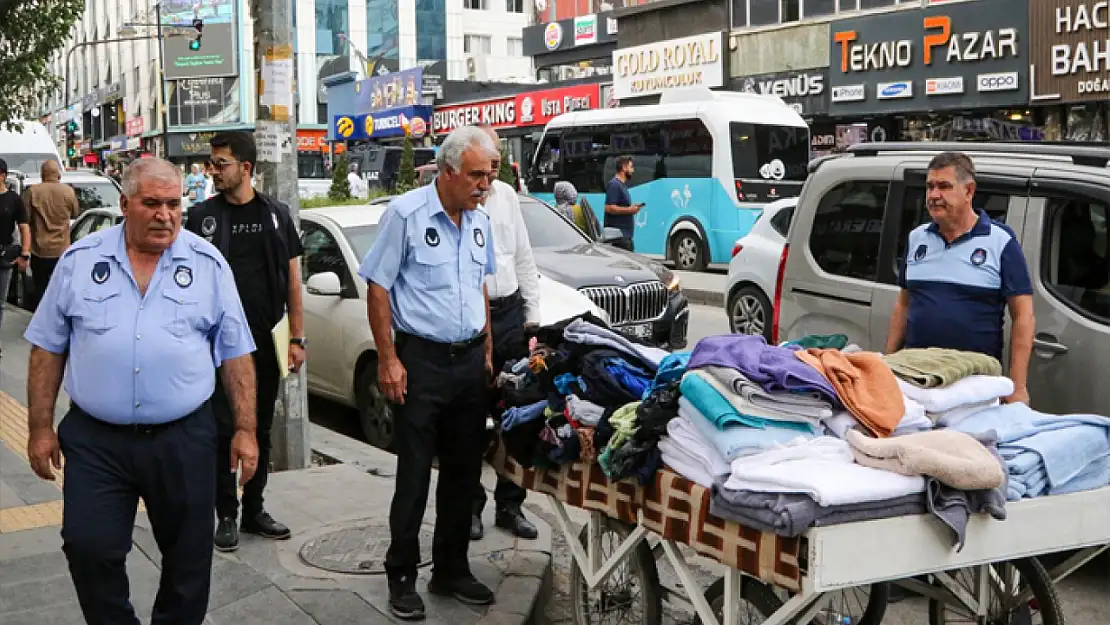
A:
404,603
227,535
264,525
476,529
466,589
512,519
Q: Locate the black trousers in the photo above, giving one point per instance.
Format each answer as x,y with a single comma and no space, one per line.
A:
444,416
41,270
509,343
108,468
267,379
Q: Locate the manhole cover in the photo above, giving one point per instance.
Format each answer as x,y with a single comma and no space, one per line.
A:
357,550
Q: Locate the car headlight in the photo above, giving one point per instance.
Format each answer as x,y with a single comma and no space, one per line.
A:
669,278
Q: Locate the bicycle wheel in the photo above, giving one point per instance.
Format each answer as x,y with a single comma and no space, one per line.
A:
630,594
862,605
1008,581
758,601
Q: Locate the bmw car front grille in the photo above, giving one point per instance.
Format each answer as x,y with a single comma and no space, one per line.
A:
635,303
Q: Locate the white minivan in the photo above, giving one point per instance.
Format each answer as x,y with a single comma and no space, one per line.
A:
25,150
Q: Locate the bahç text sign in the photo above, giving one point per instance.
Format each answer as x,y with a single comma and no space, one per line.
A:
1070,50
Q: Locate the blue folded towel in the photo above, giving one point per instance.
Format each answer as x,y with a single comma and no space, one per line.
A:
737,440
721,413
1047,454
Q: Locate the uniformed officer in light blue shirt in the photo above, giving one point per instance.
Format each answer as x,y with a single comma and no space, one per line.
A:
139,316
425,272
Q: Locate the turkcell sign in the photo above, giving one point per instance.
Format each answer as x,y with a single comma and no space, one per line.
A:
1001,81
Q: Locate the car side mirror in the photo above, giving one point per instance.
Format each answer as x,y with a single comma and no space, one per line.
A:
610,234
326,283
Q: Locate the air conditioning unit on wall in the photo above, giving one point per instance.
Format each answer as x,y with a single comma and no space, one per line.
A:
477,68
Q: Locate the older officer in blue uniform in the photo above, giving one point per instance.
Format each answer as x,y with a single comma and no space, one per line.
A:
425,274
140,316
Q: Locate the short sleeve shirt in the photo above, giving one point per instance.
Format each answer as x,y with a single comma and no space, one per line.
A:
958,290
12,212
617,194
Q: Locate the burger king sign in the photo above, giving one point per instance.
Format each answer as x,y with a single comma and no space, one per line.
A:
553,36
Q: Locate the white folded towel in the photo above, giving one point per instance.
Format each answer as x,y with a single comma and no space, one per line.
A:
822,468
914,420
685,450
970,390
952,418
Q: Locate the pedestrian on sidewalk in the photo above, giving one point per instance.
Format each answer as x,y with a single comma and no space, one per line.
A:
13,214
50,207
514,308
425,275
256,235
156,308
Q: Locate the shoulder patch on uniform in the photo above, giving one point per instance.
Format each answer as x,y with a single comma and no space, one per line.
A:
208,225
183,276
431,236
920,252
979,256
479,237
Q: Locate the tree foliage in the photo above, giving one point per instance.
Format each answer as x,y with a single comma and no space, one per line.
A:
505,173
31,31
340,187
406,172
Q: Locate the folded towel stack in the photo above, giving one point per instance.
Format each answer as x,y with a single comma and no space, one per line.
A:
932,367
687,451
948,405
1046,454
734,441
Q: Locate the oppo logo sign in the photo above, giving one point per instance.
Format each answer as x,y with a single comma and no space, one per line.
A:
1004,81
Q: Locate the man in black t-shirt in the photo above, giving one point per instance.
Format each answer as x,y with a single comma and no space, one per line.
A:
256,235
620,212
12,214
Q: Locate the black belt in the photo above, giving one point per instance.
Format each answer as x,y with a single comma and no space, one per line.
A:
144,429
452,349
509,300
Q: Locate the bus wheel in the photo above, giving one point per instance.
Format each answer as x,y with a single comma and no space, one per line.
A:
688,252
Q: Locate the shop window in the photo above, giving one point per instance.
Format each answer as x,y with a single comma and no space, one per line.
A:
845,6
818,8
1076,256
739,13
847,227
790,11
763,12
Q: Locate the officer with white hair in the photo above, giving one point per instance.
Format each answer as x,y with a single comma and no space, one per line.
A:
429,313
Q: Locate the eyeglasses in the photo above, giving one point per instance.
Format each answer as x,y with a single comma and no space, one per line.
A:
220,164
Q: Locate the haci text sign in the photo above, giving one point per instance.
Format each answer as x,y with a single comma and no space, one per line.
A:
653,68
1070,50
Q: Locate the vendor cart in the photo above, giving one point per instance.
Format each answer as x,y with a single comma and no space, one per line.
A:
773,580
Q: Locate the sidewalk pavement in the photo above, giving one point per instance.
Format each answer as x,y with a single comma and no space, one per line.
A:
706,288
329,573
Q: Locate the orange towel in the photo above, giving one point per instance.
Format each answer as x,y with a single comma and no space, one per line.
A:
865,384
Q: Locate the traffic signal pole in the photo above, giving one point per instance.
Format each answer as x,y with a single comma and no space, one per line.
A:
275,133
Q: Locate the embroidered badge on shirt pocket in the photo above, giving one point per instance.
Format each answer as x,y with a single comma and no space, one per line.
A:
185,310
95,309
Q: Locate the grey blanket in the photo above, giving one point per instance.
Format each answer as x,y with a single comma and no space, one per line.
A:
954,507
791,514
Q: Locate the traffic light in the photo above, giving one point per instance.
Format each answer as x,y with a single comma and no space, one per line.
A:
198,24
71,139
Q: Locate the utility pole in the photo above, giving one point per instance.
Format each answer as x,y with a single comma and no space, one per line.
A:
275,133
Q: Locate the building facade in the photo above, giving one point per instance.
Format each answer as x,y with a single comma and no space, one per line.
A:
117,89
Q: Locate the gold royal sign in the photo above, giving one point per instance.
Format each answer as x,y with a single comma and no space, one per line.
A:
657,67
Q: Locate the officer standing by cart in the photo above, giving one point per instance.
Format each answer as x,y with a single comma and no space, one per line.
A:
139,317
425,275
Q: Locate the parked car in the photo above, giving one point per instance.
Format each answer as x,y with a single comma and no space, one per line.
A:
754,266
343,364
643,298
838,271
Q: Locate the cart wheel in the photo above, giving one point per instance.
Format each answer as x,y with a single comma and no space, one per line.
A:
1009,580
758,601
862,605
630,594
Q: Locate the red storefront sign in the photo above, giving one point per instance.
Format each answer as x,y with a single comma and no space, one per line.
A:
534,108
315,141
134,126
539,107
499,113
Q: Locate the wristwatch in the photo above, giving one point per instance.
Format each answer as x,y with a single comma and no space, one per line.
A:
299,340
25,256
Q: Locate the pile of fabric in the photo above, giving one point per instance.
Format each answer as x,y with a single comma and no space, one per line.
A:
810,433
587,393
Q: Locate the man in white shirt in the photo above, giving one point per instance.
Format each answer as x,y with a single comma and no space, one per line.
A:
514,307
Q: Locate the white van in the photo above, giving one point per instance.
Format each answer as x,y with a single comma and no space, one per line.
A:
27,149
